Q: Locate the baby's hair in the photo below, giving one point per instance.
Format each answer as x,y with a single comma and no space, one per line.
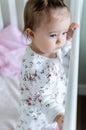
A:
36,9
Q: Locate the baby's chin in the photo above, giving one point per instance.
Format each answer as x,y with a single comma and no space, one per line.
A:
57,49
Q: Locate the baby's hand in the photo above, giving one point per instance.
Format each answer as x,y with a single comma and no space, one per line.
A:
60,120
71,30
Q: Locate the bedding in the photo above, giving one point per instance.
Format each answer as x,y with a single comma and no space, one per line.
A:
8,102
12,47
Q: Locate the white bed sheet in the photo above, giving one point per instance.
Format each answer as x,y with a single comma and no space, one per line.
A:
9,102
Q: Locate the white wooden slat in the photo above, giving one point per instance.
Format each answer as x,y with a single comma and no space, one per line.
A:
1,19
20,10
13,13
9,13
25,1
71,103
5,12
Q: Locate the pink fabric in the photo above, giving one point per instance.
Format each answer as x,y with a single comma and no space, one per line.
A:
56,128
12,47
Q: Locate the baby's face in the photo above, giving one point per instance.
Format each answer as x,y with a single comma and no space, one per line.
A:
51,35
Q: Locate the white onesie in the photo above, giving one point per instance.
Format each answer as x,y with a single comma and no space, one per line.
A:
43,88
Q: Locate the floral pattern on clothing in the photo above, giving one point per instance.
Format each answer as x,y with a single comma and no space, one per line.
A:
43,89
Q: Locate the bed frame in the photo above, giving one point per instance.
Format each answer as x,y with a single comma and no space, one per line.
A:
11,12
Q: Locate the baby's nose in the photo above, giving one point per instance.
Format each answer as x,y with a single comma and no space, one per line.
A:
59,38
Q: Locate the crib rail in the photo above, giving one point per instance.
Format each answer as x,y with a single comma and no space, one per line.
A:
11,12
71,104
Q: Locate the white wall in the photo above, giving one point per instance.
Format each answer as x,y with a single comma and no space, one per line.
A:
82,61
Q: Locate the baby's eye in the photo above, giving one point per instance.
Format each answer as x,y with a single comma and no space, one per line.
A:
53,35
64,33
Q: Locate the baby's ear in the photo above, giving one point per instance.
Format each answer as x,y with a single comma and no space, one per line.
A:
29,33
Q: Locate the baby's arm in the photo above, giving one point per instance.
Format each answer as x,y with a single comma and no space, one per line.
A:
67,47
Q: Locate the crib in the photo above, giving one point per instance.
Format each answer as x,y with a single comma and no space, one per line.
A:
11,20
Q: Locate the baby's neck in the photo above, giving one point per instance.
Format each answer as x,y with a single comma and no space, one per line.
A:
49,55
52,55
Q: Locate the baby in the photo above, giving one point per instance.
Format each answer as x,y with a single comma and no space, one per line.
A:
43,84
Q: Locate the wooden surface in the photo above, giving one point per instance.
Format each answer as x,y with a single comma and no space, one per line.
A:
81,113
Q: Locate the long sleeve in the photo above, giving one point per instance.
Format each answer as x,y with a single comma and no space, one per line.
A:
66,56
43,86
66,48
